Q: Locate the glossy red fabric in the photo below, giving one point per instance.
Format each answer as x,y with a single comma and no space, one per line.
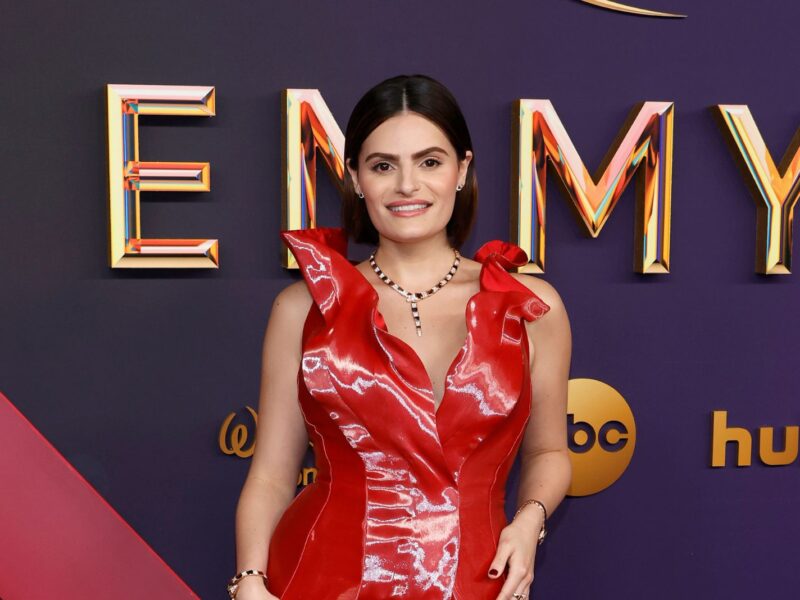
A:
408,501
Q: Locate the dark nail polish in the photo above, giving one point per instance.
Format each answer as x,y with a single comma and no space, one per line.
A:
493,572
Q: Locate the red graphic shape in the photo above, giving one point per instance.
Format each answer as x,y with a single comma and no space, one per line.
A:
59,538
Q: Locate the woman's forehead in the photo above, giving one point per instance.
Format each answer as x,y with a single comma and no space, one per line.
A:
406,134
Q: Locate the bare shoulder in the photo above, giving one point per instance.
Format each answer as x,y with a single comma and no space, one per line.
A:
296,292
544,290
290,307
552,331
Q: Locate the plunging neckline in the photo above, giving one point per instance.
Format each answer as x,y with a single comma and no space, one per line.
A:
498,255
376,314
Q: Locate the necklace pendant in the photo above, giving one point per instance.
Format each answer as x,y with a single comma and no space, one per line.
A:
415,314
412,297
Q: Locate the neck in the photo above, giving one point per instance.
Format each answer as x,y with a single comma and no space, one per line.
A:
415,265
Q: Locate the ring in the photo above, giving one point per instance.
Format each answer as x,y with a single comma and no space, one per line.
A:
520,595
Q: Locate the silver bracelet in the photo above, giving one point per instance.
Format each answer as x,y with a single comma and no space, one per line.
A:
233,584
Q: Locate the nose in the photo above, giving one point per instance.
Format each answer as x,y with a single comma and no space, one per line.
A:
407,181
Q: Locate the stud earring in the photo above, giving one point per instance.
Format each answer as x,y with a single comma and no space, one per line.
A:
458,187
360,195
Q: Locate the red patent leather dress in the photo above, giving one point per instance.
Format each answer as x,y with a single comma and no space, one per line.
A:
408,501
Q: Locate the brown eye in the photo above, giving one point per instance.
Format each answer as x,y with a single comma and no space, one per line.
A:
427,162
377,167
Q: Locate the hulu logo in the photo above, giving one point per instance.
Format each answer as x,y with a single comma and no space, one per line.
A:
722,435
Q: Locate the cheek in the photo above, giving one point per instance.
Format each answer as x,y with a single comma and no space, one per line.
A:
448,173
375,195
445,180
375,185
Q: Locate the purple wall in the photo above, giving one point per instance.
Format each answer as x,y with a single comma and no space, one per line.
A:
130,373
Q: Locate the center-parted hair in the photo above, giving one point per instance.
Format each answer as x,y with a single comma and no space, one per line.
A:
429,98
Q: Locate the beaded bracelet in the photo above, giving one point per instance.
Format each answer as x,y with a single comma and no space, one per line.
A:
233,585
543,531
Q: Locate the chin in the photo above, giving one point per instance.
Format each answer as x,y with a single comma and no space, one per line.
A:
412,232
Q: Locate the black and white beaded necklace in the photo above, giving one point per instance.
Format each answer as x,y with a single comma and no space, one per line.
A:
413,297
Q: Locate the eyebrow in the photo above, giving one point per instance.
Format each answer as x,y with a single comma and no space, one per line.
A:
415,155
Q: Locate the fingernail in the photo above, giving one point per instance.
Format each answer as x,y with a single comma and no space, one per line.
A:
493,572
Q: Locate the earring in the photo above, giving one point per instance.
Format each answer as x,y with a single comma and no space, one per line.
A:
458,187
360,195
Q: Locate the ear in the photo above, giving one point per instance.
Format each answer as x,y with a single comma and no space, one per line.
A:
464,164
353,173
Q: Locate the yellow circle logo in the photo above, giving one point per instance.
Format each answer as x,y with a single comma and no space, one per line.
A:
601,434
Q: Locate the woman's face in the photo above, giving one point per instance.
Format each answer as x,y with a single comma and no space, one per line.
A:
407,161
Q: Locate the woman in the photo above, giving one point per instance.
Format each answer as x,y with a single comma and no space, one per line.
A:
414,431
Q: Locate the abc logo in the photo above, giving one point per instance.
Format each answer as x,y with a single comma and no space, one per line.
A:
601,435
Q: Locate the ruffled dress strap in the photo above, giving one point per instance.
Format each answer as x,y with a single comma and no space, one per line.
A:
334,283
334,237
498,257
508,255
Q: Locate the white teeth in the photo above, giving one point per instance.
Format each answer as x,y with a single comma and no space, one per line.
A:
407,207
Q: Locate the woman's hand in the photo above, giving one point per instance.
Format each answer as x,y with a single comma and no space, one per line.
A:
253,588
516,551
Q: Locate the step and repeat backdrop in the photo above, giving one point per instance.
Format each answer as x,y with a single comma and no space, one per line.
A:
644,155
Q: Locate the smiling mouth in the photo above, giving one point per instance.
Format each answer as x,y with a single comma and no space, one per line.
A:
409,207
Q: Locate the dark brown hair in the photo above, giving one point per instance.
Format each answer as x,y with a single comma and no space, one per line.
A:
426,96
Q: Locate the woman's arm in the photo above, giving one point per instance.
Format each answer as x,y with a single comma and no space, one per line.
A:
281,437
546,470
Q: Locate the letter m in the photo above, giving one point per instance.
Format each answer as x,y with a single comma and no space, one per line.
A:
643,145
